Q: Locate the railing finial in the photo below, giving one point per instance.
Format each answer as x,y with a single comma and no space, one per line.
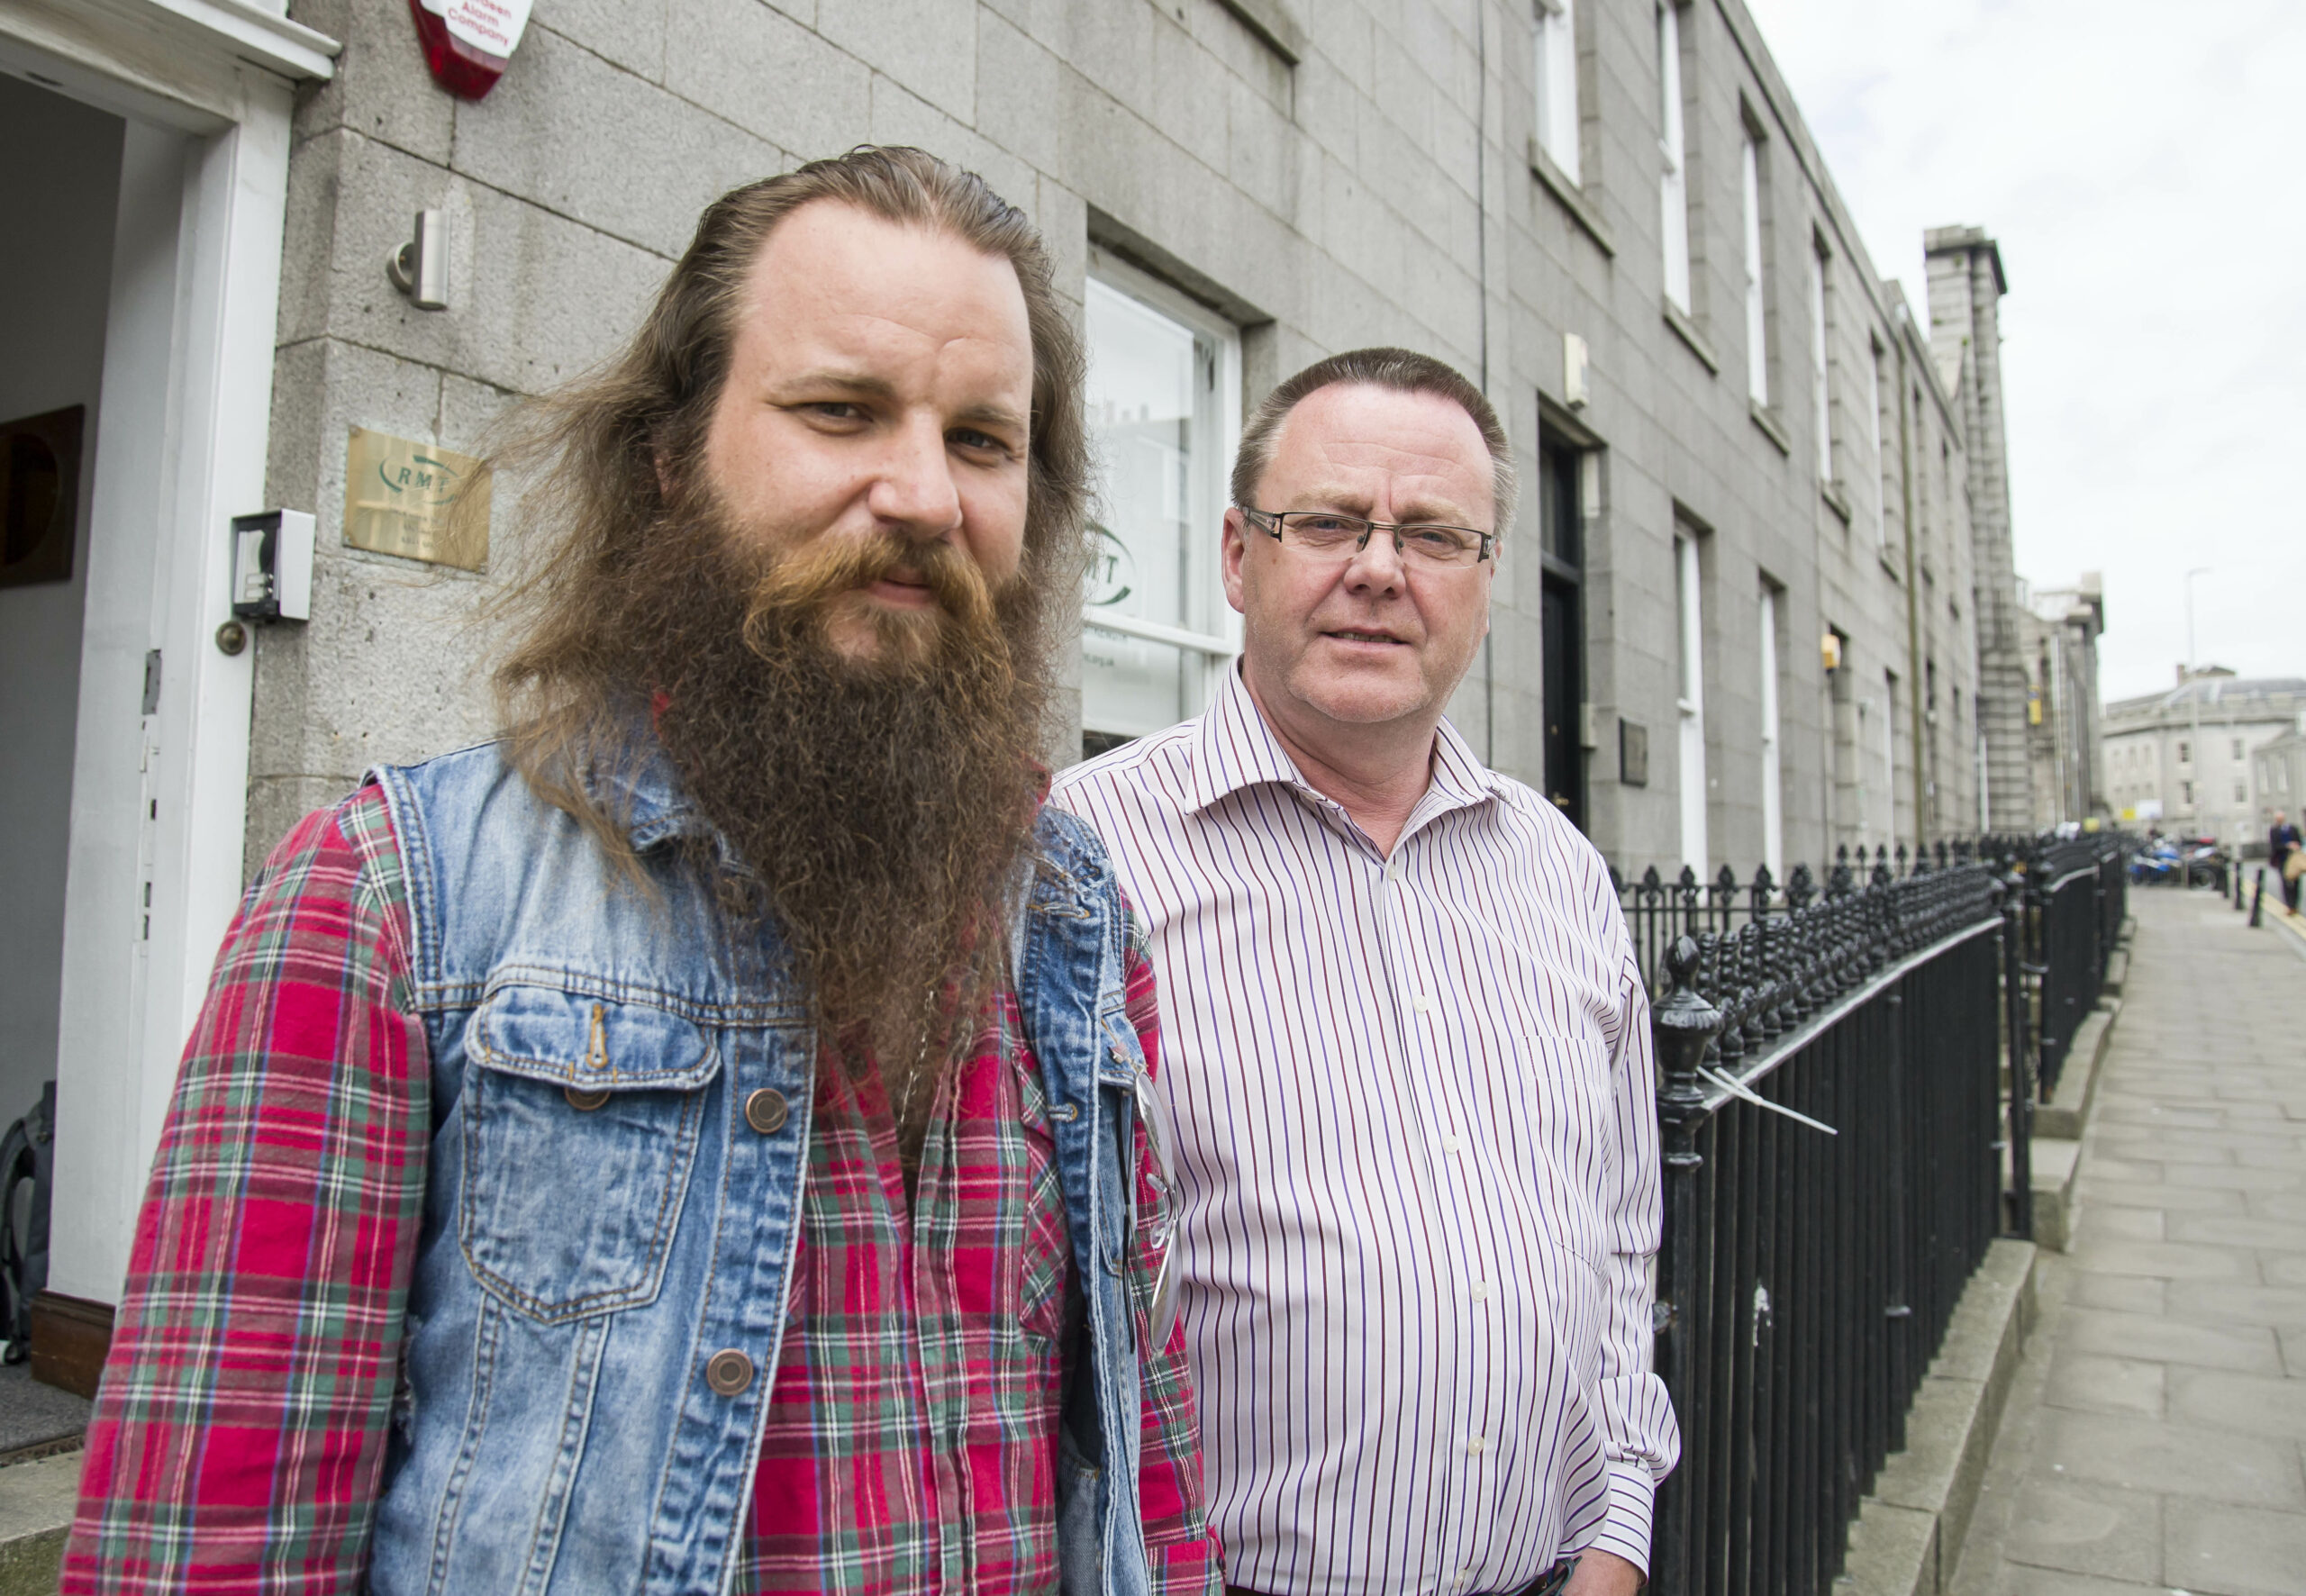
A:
1684,1024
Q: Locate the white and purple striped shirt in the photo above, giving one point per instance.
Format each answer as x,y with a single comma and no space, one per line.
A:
1417,1140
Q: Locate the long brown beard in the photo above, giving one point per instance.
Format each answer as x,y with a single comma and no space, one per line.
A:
878,805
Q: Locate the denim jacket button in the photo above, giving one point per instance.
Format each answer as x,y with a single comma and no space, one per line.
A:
585,1101
729,1372
765,1111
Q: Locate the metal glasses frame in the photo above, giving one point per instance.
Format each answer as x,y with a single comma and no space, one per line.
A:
1270,522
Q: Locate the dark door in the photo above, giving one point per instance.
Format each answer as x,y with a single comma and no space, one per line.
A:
1565,754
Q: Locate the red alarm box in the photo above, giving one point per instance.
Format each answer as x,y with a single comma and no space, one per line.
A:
468,44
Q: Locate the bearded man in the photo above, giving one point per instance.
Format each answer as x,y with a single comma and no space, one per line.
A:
694,1143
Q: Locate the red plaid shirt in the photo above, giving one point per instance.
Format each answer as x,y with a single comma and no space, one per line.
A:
910,1439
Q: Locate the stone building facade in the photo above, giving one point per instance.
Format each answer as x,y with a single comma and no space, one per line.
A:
2058,631
1967,283
1766,522
2208,758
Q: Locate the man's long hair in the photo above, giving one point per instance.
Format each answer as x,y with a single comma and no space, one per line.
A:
603,461
621,589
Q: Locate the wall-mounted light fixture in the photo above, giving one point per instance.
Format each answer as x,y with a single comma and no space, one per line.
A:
419,268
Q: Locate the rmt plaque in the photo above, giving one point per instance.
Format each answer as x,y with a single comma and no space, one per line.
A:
415,500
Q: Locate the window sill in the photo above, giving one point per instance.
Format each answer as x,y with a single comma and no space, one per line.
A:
1772,428
1275,25
1834,500
1891,564
1571,196
1678,320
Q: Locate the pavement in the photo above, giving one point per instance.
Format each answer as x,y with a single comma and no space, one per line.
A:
2155,1439
36,1417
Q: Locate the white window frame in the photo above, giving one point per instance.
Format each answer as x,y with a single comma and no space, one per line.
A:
1212,645
1881,456
1673,149
1690,698
1756,297
1557,122
1820,386
1773,775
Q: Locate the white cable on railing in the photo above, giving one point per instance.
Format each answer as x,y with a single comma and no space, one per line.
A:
1739,1089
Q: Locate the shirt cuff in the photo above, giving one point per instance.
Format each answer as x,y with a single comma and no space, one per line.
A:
1624,1528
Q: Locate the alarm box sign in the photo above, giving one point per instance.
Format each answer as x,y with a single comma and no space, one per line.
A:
468,44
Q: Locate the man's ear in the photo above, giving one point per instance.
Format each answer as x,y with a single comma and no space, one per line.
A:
1230,553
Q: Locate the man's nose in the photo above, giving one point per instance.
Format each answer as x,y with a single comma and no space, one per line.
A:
1376,567
913,487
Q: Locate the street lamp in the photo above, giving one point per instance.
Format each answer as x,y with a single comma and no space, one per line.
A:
2194,702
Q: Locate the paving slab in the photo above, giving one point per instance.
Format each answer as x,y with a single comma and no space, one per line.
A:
2155,1438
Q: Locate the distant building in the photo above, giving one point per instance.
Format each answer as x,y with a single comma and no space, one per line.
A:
2188,760
2058,629
2279,776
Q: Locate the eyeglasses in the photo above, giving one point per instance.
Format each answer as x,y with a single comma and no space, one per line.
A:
1327,534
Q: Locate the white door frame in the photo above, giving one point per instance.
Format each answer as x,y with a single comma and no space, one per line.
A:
159,800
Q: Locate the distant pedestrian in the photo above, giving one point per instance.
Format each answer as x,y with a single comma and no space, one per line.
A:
2286,852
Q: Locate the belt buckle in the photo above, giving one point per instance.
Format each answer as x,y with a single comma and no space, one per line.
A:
1555,1579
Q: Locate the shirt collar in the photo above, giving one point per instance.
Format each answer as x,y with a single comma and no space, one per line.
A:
638,784
1235,749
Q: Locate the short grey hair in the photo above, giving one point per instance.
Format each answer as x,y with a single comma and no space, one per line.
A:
1405,371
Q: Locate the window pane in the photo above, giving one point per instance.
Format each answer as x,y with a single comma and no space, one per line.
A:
1556,79
1151,413
1673,197
1821,398
1757,308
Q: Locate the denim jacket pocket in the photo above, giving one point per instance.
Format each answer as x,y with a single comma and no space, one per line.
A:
581,1119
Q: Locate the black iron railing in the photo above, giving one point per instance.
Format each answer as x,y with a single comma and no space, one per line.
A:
2075,893
1809,1272
1660,908
1834,1116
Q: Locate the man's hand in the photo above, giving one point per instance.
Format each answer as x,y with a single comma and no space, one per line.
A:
1603,1573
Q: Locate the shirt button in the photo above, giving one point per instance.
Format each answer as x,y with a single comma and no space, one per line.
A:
1477,1446
1421,1003
765,1111
1481,1294
1393,873
1453,1145
729,1372
585,1101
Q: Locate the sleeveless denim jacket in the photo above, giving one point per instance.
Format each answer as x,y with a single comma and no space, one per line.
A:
601,1216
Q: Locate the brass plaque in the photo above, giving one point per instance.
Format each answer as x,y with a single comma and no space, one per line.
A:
414,500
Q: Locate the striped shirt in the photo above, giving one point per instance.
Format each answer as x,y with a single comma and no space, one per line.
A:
1417,1146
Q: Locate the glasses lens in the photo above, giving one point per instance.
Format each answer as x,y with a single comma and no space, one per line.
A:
1441,545
1322,533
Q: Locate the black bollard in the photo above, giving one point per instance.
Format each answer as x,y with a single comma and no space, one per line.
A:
2259,898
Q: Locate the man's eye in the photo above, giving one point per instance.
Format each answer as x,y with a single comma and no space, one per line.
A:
834,410
1435,540
1327,526
983,443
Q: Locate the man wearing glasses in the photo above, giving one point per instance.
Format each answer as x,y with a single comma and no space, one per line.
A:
1410,1053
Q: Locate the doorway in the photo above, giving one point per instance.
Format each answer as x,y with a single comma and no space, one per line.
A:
1562,551
53,303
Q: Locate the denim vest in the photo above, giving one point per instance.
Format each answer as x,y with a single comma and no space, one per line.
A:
604,1215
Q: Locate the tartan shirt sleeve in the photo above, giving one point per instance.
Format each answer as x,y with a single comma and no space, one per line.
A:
240,1434
1184,1551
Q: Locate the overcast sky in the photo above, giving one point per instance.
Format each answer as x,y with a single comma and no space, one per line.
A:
2140,165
